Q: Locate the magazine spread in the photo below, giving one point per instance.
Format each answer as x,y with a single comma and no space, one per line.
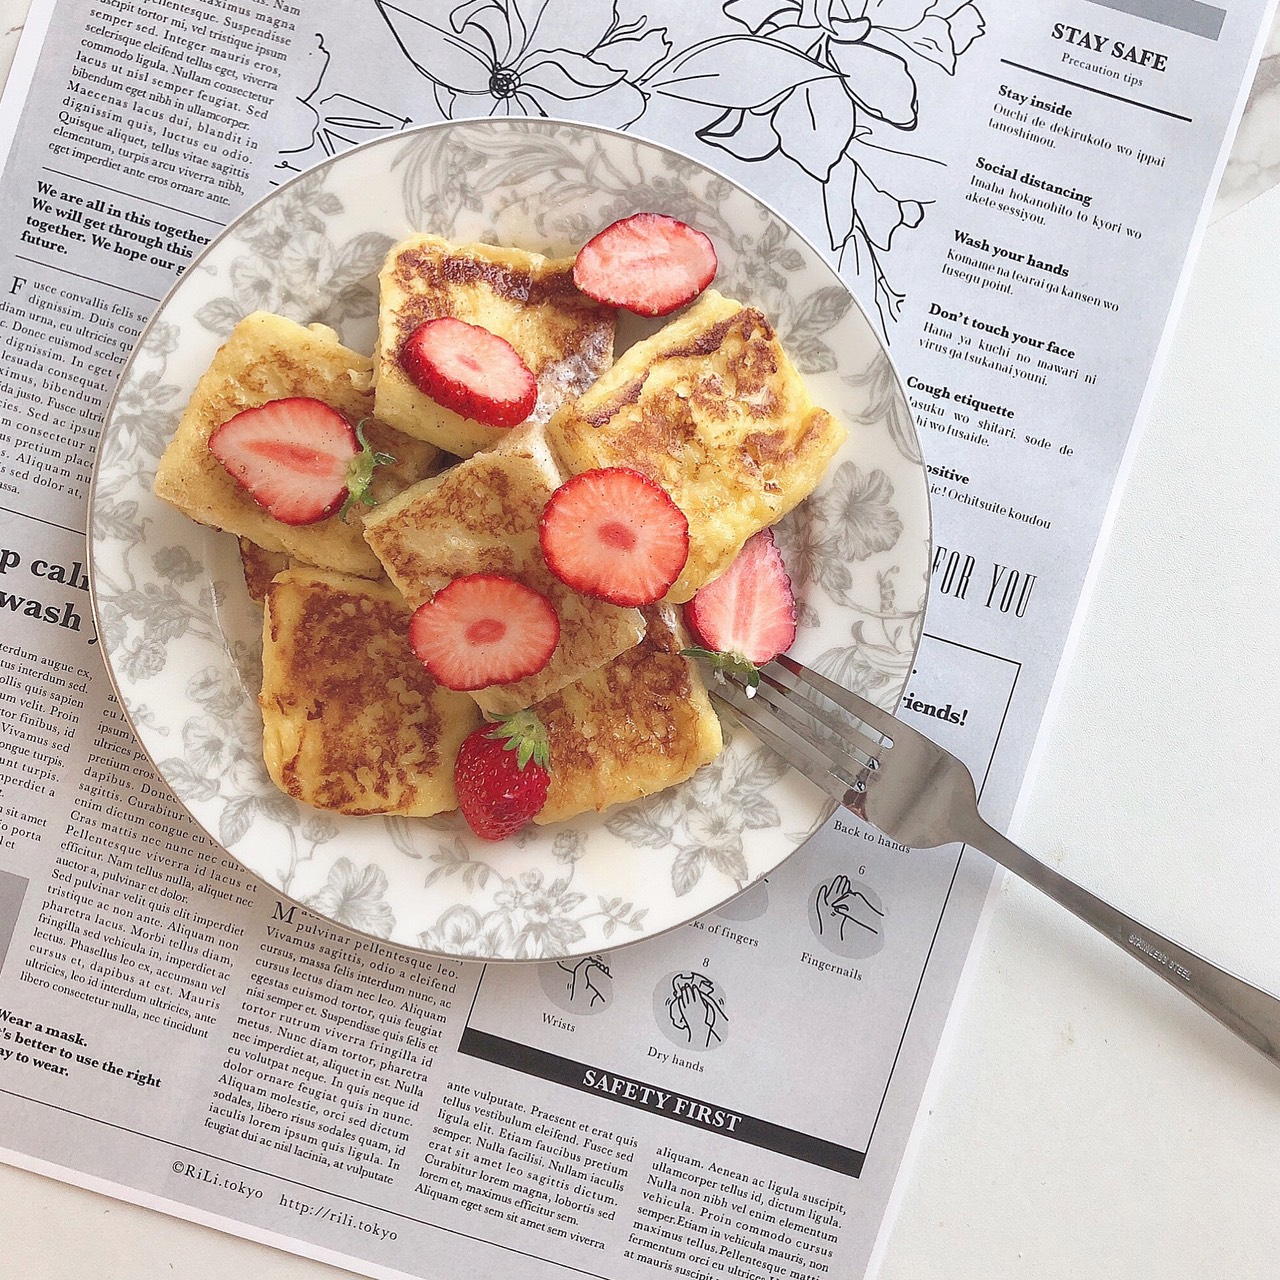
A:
1013,196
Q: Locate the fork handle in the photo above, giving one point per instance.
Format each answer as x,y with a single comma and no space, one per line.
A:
1243,1008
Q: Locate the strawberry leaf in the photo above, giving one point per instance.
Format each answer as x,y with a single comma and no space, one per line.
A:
526,735
727,664
360,473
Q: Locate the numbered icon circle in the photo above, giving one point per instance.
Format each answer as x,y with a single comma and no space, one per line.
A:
581,985
691,1010
847,917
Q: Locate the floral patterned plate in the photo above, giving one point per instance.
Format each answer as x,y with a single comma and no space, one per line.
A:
183,642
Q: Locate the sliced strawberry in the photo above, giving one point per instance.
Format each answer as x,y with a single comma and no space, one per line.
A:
502,774
298,458
471,371
614,534
484,629
746,616
648,263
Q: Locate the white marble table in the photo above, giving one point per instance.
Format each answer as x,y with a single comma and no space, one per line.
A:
1086,1121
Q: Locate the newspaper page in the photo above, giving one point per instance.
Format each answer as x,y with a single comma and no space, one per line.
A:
1013,193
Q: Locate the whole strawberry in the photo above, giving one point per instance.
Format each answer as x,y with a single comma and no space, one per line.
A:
502,774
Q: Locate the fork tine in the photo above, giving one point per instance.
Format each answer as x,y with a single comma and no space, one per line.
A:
806,759
805,681
844,746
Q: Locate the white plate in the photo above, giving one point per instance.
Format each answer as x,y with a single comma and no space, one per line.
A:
182,640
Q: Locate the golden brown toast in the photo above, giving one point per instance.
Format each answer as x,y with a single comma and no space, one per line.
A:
259,568
712,409
642,723
482,517
564,337
267,357
352,722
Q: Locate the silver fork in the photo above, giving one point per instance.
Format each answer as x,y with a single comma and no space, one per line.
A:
899,781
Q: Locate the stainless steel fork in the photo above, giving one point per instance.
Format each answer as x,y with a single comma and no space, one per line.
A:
921,796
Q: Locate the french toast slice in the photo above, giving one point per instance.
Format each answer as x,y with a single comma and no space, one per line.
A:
352,722
267,357
639,724
529,300
712,409
259,567
481,516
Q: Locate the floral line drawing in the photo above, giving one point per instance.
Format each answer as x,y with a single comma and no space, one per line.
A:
488,58
832,86
585,970
530,918
703,823
293,269
356,897
852,521
222,759
315,127
143,610
821,82
695,1007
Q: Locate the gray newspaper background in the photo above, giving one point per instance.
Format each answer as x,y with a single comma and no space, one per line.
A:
1018,217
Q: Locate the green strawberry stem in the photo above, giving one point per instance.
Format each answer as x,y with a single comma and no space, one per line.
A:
526,735
360,473
727,664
